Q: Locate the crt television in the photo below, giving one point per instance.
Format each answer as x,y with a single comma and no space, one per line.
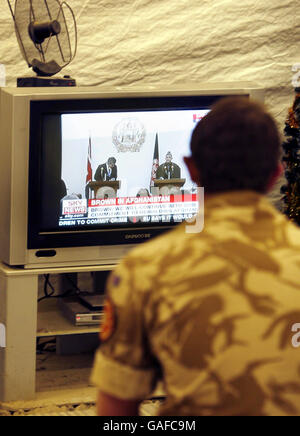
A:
88,173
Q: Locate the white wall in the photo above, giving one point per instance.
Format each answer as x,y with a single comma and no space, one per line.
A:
171,41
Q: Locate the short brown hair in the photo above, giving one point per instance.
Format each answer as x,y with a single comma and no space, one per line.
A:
236,146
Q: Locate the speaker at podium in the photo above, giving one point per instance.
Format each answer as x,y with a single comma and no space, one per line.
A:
169,186
104,189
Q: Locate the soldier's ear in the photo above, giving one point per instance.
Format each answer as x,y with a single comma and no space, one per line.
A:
193,170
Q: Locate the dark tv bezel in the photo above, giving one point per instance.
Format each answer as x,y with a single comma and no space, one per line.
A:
91,236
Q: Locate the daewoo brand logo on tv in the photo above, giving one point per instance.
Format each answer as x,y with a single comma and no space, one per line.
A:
138,236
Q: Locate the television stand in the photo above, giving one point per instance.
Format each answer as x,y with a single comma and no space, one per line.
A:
19,327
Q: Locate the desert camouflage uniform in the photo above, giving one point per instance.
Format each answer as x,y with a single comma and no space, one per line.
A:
212,312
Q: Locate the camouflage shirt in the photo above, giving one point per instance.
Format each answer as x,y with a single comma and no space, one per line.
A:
210,313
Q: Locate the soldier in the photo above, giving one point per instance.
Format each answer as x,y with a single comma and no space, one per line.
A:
211,314
169,169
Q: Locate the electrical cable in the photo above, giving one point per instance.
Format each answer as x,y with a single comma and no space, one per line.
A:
74,290
49,346
52,293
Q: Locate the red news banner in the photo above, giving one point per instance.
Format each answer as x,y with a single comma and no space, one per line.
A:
183,206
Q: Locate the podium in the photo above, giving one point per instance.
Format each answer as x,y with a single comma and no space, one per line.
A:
168,183
94,186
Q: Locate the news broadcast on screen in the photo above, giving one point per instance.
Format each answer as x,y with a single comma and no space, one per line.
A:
127,167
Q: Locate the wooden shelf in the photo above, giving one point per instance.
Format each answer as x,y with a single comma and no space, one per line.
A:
52,322
19,291
18,271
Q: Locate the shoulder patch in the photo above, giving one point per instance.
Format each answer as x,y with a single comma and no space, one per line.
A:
108,323
113,280
116,280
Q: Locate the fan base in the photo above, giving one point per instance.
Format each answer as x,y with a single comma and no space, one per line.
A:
33,82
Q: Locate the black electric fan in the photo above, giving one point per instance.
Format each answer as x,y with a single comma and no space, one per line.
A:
44,30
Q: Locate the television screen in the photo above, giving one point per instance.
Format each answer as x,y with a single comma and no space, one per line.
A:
105,166
142,152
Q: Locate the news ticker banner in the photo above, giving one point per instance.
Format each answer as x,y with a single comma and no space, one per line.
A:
122,209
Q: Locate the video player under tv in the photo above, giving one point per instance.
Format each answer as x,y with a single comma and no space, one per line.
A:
79,314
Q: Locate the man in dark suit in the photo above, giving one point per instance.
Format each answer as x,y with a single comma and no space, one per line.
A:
107,171
168,170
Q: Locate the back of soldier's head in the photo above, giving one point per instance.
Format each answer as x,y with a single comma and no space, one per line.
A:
236,146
